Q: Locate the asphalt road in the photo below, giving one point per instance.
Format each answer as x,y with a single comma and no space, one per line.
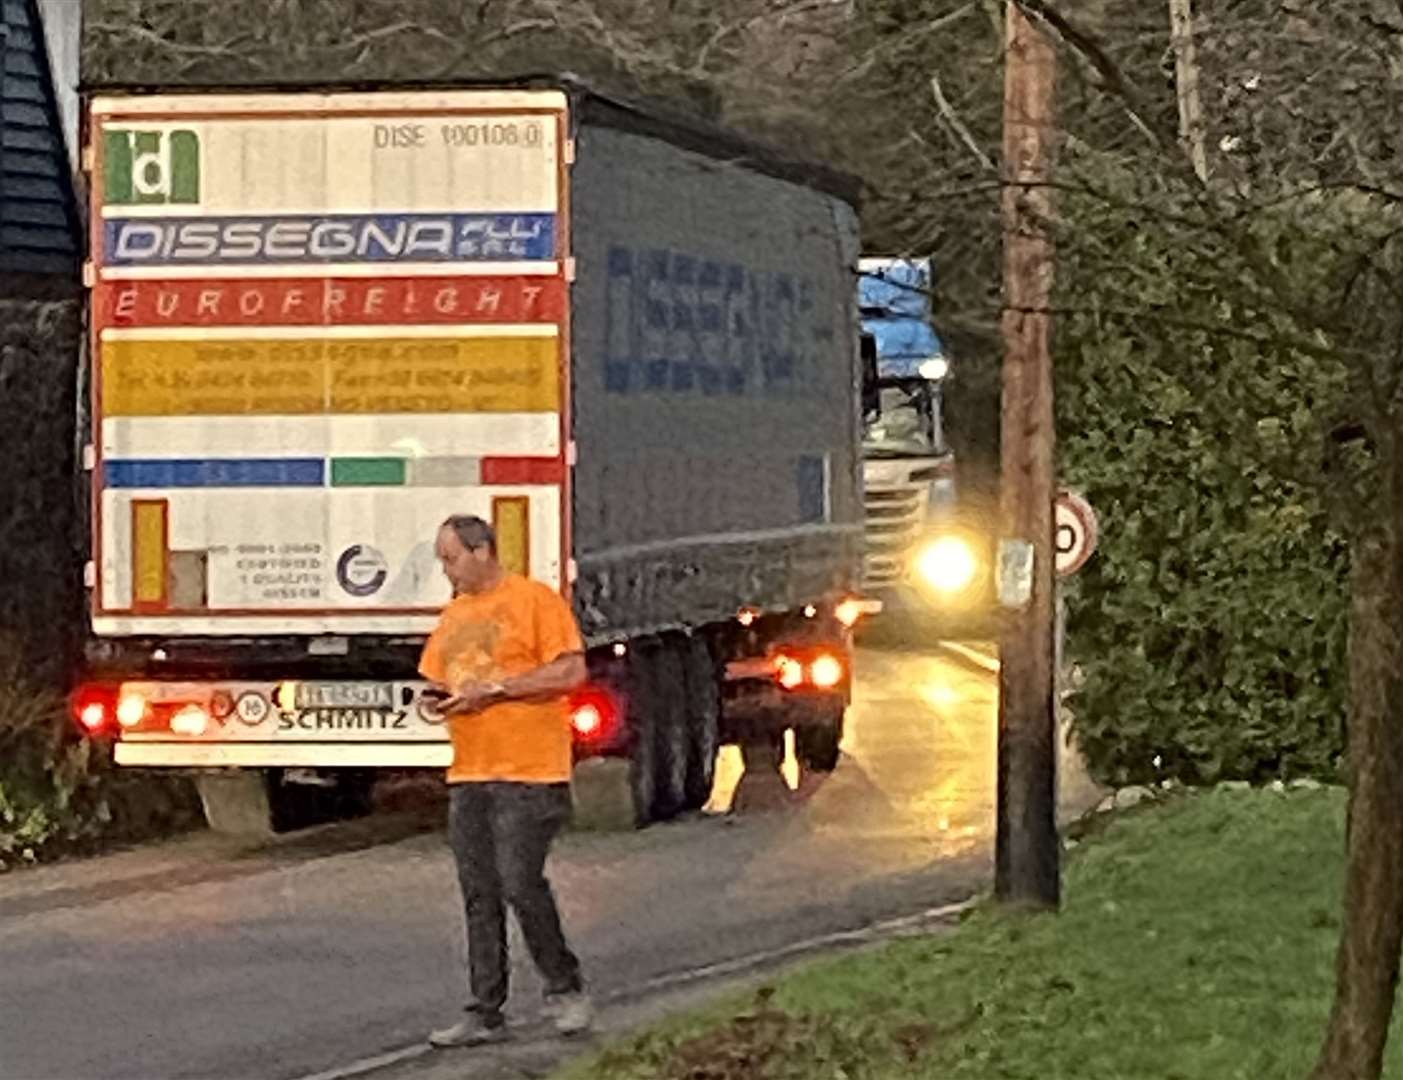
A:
185,962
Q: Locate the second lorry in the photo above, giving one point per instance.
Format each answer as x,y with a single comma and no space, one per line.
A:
927,557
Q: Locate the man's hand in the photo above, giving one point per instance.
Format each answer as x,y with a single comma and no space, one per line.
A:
473,697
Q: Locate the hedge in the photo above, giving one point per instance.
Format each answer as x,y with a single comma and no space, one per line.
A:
1211,625
58,791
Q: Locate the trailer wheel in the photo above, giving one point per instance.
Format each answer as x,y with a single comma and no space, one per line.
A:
642,759
355,793
322,797
673,729
704,722
816,743
642,717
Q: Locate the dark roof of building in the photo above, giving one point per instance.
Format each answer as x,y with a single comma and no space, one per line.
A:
39,223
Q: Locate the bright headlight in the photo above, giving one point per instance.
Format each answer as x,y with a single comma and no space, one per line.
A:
948,564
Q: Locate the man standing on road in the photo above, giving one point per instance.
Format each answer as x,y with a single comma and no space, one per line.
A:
506,651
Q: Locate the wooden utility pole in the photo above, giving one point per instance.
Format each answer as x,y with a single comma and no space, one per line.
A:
1027,846
1181,32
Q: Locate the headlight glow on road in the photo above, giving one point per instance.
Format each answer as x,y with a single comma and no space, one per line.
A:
948,565
941,695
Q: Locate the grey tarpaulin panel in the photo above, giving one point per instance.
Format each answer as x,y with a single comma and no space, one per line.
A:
595,109
714,369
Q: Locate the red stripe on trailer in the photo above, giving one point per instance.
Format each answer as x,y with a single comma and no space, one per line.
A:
508,471
329,301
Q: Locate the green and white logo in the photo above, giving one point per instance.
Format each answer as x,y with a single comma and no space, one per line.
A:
151,167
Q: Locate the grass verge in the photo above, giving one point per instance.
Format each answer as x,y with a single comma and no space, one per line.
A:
1196,941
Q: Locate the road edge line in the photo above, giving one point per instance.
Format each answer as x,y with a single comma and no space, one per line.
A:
661,984
980,660
739,965
375,1063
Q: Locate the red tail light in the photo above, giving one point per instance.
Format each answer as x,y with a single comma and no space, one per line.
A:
826,671
849,611
594,714
587,720
190,720
93,716
789,671
132,709
810,671
95,708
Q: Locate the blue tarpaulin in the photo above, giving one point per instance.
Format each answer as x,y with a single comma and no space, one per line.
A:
895,287
894,298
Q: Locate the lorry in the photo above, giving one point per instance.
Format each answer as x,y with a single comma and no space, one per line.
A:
323,321
926,558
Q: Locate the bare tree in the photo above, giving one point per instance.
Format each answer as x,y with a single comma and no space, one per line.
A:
1303,101
695,52
1295,132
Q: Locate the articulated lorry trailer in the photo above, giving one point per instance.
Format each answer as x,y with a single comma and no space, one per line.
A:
322,321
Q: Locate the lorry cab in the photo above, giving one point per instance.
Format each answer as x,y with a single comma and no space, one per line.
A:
925,552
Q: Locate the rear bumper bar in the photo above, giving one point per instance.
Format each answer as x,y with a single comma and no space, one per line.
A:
195,755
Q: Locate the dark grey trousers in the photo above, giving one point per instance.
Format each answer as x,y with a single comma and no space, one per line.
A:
501,834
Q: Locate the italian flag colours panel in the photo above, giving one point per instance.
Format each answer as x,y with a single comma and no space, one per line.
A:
320,325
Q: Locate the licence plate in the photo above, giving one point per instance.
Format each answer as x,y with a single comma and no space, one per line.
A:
345,695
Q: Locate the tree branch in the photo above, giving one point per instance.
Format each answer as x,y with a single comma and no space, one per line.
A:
957,125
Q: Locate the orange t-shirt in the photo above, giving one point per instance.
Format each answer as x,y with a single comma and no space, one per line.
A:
516,627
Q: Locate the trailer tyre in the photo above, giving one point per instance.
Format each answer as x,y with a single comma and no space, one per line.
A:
816,743
642,755
355,793
704,722
673,729
657,772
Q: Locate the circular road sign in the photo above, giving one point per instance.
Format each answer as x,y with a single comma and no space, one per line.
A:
1074,532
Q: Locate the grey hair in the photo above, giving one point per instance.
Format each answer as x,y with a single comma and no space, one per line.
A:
472,532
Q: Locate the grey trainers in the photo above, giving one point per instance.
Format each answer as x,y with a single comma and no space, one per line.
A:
573,1014
472,1030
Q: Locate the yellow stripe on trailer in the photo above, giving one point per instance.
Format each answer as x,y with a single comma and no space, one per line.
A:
150,552
511,521
342,376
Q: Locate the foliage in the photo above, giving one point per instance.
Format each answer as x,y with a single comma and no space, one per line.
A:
40,582
1209,338
1211,625
1188,931
59,792
46,790
696,53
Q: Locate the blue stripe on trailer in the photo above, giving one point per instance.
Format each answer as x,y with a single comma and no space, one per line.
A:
215,472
